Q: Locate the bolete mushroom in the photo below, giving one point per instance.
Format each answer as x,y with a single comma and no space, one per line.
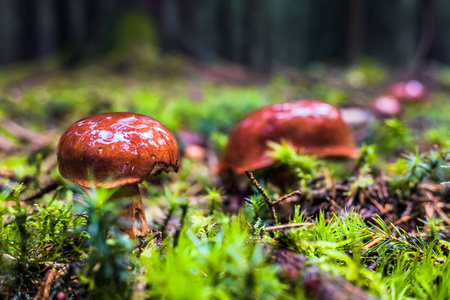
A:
387,105
118,150
411,90
311,126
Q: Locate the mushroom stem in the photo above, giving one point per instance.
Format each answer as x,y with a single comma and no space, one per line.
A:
132,221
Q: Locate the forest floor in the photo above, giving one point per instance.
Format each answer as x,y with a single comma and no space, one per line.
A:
374,227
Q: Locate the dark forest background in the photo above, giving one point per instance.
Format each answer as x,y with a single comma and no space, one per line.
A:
262,34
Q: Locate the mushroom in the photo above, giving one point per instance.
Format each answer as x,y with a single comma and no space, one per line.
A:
118,150
411,90
311,126
195,152
387,105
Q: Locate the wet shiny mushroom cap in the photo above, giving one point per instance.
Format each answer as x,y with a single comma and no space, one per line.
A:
114,149
311,126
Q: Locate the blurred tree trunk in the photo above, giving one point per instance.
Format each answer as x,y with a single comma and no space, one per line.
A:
61,10
249,24
392,30
441,46
355,37
8,31
46,28
263,34
28,28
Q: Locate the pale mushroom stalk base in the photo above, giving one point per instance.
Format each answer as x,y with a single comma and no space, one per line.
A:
132,221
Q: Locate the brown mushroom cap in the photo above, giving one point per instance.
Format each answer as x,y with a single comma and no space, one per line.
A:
114,149
311,126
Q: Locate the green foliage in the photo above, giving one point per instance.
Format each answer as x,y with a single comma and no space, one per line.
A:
406,266
366,71
256,207
438,136
413,169
215,200
32,237
446,167
195,250
303,166
366,158
226,265
334,96
392,135
106,268
134,28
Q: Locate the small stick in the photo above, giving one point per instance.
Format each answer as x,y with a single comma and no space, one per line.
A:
399,221
44,290
24,133
315,180
349,200
5,143
374,202
442,214
287,196
372,243
258,187
266,197
42,191
291,225
9,175
383,184
341,187
333,191
263,193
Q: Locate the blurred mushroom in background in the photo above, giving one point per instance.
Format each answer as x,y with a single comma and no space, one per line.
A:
387,106
412,90
310,126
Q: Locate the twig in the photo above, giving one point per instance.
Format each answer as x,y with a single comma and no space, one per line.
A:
44,290
374,202
291,225
287,196
442,214
258,187
25,133
349,200
372,243
5,143
383,184
333,190
9,174
8,257
315,180
45,263
399,221
263,193
42,191
266,197
343,188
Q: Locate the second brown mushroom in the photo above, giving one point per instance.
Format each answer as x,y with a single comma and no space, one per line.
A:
311,126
